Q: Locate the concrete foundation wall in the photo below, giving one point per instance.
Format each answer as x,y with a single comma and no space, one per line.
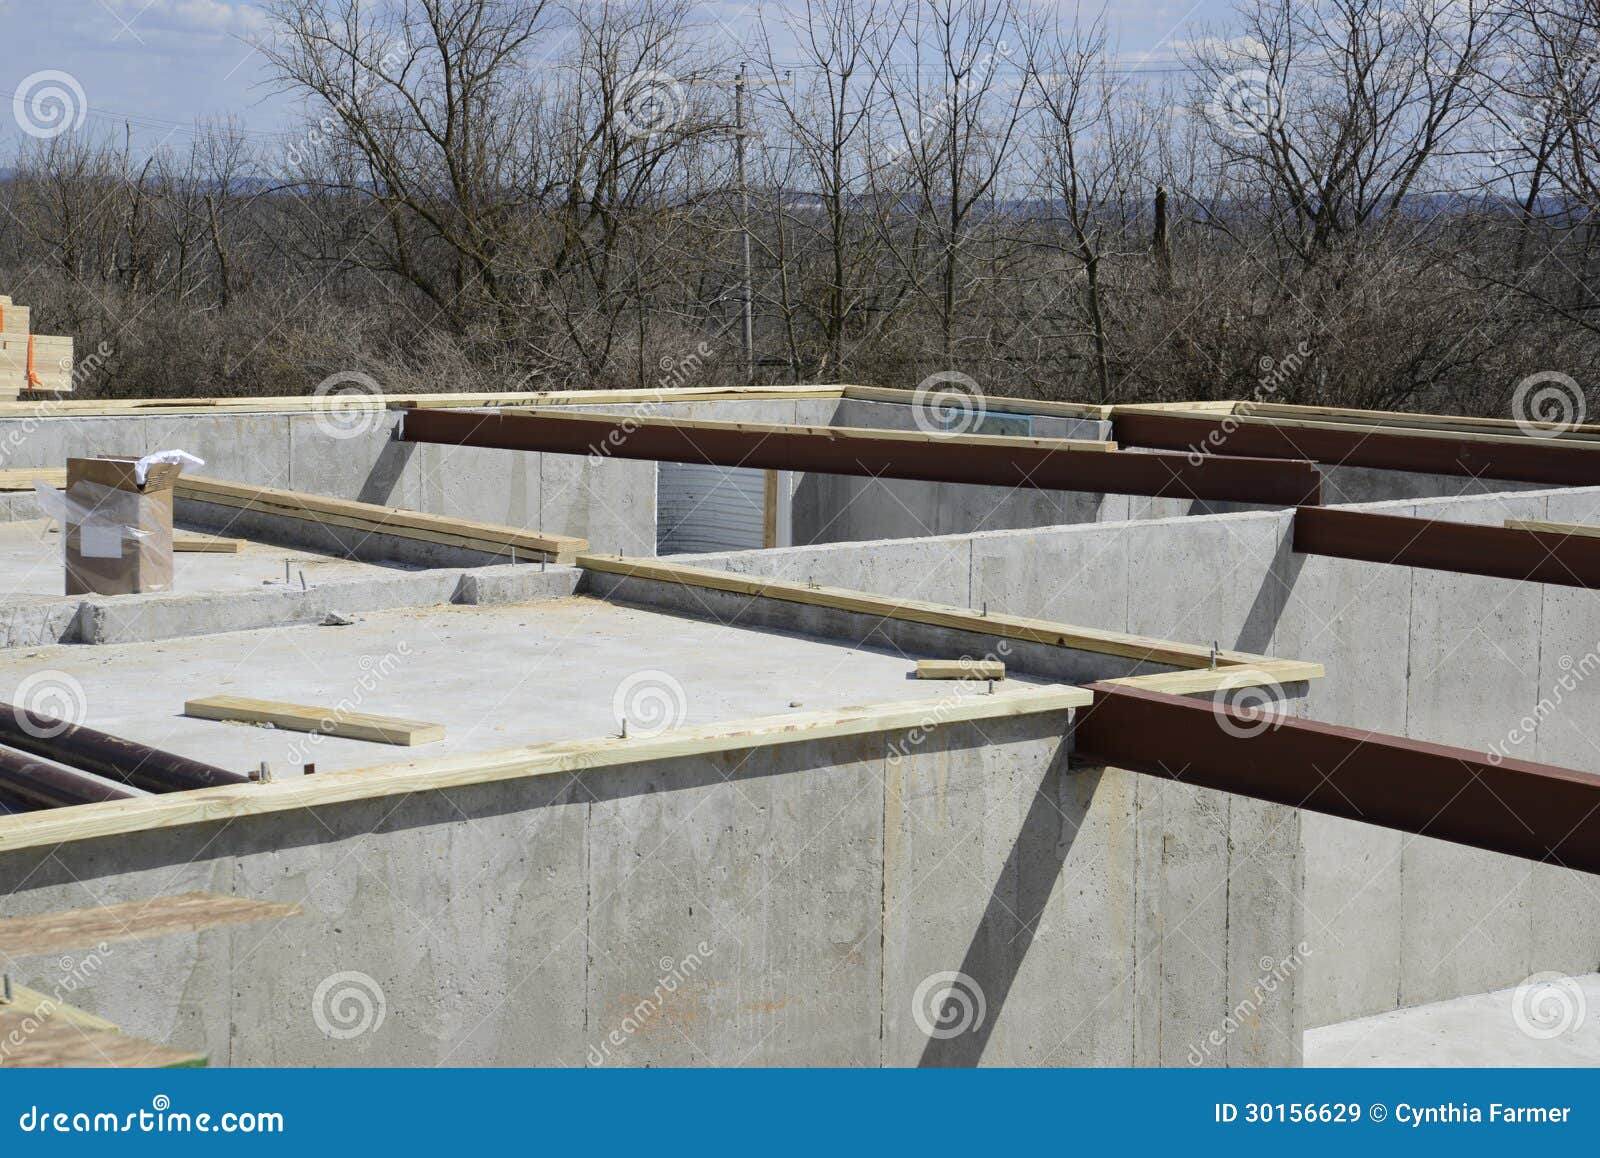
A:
804,904
1393,920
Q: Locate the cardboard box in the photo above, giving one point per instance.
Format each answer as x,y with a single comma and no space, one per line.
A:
119,533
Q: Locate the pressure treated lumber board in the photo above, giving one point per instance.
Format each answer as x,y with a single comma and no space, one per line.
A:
131,920
1550,528
52,362
842,433
32,1003
386,520
935,614
563,758
1435,422
305,404
960,669
54,1043
19,478
207,544
309,718
14,319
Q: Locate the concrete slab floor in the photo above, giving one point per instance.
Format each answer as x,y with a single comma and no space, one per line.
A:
496,677
1505,1028
31,566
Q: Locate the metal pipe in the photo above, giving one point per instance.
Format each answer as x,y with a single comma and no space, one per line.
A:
45,783
111,757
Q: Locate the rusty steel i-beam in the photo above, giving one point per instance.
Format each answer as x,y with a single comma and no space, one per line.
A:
1464,548
990,462
1484,800
1540,460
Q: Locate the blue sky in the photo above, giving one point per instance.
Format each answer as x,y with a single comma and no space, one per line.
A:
163,63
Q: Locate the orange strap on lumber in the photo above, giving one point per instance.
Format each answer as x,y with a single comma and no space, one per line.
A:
33,379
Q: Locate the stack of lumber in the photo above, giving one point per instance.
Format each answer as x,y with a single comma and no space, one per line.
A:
31,364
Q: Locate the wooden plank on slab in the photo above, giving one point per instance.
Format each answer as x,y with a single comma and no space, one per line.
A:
58,932
309,718
21,478
53,1043
1549,528
960,669
207,544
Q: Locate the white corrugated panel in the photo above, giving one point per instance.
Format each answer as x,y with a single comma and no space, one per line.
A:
709,508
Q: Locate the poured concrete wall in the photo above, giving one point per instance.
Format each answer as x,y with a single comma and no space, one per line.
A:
1394,920
610,502
803,904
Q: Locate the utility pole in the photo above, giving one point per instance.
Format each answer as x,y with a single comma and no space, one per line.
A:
747,291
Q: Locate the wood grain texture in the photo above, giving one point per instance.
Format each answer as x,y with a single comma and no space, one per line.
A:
960,669
313,718
131,920
206,544
54,1044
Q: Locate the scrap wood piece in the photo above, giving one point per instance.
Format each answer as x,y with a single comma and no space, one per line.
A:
32,1003
132,921
210,544
960,669
308,718
32,1043
22,478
